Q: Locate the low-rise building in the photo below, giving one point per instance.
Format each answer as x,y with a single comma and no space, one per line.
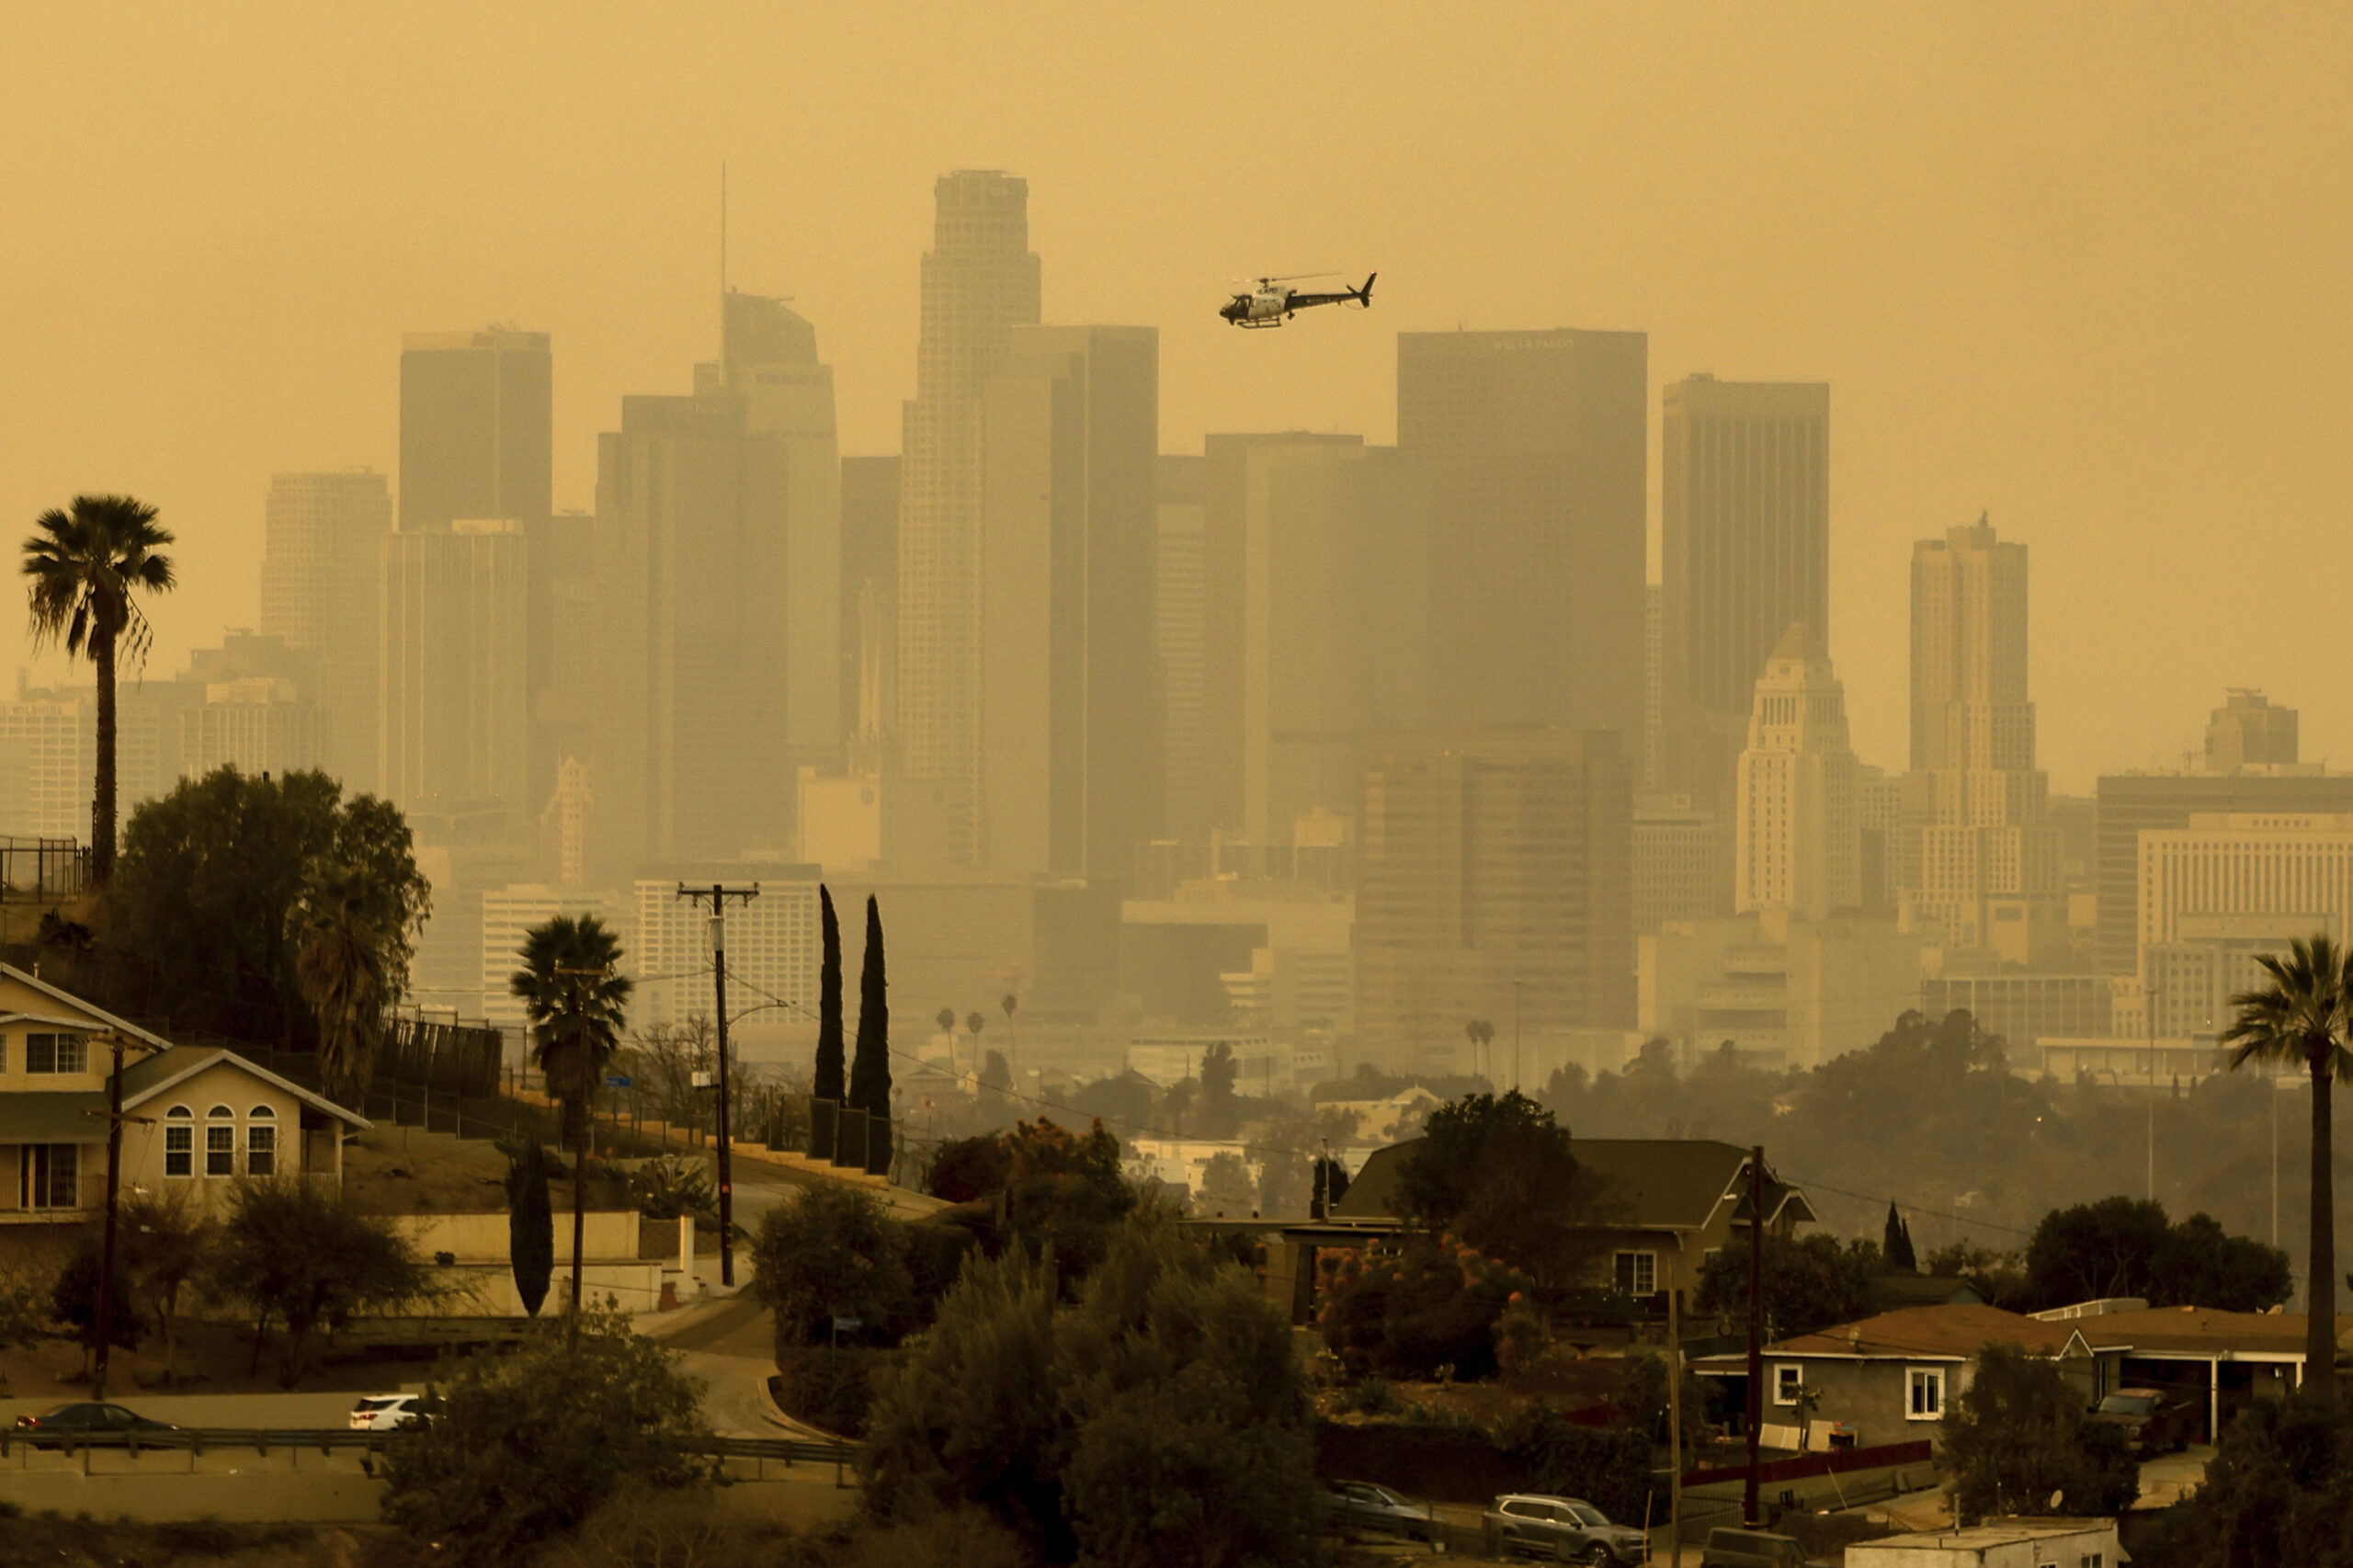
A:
1789,991
1998,1543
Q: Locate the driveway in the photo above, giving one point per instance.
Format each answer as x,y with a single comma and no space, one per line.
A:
2169,1478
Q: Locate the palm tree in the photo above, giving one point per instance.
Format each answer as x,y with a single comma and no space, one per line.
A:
2300,1019
86,563
1477,1031
577,1000
341,967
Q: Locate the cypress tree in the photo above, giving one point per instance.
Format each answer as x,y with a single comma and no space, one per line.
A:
530,1225
870,1069
1895,1244
826,1085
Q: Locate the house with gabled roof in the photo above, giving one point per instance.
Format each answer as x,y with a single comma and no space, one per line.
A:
1890,1379
194,1117
1664,1205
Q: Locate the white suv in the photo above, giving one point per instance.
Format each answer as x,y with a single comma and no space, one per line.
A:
382,1411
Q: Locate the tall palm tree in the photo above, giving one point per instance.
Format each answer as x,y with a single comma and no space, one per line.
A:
342,968
86,565
576,999
2300,1019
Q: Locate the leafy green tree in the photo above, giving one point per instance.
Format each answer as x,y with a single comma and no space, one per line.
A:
341,967
520,1448
166,1240
2278,1490
1432,1307
869,1066
1499,1172
833,1252
74,1300
85,566
2015,1442
530,1223
2299,1019
828,1081
1998,1277
2125,1246
1809,1283
295,1252
2203,1266
577,999
213,890
1220,1107
1226,1188
1895,1244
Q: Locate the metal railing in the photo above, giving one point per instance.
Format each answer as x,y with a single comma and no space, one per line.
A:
294,1440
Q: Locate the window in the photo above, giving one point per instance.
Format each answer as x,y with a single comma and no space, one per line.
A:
1928,1396
220,1142
261,1143
179,1141
56,1053
1789,1383
1638,1273
49,1176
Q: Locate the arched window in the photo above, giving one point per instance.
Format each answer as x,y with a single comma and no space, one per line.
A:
261,1142
179,1141
220,1142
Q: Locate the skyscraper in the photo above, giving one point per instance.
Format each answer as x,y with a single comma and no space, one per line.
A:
980,280
1494,876
322,577
1534,446
1798,839
1069,780
2249,729
456,694
869,597
1745,552
1985,872
477,426
1180,636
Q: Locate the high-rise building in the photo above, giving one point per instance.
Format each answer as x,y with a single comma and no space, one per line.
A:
980,280
477,426
869,597
322,590
2249,731
1744,553
1798,843
47,759
509,913
772,945
1653,689
1533,445
1494,881
1180,635
1987,869
2134,805
455,713
1068,711
1680,865
2295,866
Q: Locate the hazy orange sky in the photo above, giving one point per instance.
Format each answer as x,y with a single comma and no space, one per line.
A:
2083,267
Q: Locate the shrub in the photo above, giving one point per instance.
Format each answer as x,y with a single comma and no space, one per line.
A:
829,1389
1430,1309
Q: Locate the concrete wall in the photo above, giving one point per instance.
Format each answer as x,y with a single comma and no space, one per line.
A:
608,1237
1871,1397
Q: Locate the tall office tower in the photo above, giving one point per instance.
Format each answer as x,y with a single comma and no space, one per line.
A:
2134,805
455,733
322,590
980,280
2249,729
1533,445
1878,815
560,658
477,426
1494,870
870,595
1798,842
772,942
1987,869
509,913
1180,575
1068,713
1681,869
49,753
1744,554
245,704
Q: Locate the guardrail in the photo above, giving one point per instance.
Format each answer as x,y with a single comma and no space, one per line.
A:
787,1451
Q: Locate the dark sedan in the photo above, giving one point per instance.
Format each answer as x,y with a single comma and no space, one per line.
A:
1360,1505
83,1418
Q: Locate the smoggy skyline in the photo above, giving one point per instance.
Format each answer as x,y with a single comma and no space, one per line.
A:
2082,270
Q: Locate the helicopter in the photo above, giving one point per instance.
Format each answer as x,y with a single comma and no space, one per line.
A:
1273,302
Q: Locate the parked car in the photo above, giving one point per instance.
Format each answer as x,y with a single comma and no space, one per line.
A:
1359,1505
2154,1421
84,1417
382,1411
1564,1529
1751,1549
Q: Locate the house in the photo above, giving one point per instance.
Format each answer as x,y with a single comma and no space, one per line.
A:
1890,1379
195,1117
2224,1361
1665,1204
1385,1118
1999,1543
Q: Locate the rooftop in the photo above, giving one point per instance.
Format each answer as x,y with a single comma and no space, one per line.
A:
1949,1332
1654,1183
1994,1532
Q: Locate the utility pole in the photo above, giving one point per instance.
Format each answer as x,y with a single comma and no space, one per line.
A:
1748,1511
114,1187
719,893
1673,1419
1515,1035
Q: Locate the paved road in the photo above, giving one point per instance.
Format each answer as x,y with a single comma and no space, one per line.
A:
278,1410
